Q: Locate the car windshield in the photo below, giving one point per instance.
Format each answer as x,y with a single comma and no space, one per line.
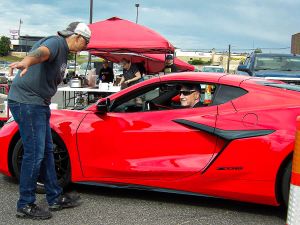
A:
213,69
281,63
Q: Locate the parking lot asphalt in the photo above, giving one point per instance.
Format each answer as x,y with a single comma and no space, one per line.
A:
109,206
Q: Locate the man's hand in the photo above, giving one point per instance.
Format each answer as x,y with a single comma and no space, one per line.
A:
18,65
36,56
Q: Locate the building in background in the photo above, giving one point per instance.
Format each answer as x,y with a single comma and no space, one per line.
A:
23,44
295,46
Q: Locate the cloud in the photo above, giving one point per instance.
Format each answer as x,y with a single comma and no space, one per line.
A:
186,23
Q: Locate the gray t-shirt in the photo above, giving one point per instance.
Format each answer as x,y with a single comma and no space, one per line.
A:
40,82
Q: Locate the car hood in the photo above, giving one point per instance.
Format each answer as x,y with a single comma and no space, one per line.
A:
277,73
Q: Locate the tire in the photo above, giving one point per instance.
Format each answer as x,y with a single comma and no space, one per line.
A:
285,183
61,158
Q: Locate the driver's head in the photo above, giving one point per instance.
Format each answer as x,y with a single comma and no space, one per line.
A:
189,95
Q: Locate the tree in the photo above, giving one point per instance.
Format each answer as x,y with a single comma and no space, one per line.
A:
258,50
4,46
71,56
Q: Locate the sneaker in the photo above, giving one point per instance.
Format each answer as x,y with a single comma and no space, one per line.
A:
65,201
32,211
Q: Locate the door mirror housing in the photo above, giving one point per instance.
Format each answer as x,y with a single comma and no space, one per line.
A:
103,106
244,68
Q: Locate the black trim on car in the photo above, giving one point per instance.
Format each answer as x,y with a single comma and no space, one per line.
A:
225,134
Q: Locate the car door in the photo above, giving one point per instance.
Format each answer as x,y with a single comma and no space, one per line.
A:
158,144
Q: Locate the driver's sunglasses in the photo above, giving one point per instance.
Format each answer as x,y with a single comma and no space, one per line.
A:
186,93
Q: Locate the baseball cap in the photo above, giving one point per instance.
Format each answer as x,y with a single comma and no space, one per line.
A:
76,28
169,57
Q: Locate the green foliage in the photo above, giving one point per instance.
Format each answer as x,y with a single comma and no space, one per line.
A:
258,50
10,58
199,62
4,46
71,56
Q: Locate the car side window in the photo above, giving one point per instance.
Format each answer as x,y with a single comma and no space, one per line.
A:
166,96
227,93
135,101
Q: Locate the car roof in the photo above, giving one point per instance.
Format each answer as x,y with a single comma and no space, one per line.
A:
214,67
223,78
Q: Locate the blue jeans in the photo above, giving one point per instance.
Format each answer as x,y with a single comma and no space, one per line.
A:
38,159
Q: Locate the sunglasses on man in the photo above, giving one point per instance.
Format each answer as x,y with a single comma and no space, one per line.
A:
186,93
86,39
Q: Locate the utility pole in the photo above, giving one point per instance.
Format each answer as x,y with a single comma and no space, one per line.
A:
19,33
91,11
137,12
91,21
228,61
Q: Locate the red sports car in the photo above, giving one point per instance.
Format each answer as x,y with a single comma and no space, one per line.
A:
237,145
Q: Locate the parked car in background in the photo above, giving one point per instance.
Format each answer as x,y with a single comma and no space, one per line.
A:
238,145
283,67
4,64
213,69
118,69
4,72
72,65
85,67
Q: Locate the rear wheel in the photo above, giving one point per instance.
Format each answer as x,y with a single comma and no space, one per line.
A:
61,158
285,184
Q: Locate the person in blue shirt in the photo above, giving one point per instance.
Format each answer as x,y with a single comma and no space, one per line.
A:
29,98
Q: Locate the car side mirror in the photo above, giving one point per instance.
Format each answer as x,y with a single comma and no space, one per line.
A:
243,68
103,106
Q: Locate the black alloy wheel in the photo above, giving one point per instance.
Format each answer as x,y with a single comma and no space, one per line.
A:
61,160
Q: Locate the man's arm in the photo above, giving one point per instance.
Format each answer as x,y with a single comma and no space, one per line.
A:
137,76
36,56
122,80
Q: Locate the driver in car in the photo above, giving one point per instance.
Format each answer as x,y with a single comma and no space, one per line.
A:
190,96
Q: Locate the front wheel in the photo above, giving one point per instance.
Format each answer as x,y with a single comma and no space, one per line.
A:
61,160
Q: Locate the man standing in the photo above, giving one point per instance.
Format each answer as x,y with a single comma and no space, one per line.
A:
29,98
106,73
169,65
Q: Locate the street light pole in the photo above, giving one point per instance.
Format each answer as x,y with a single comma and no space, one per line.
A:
91,11
137,12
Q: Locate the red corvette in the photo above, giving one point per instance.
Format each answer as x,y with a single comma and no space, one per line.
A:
238,146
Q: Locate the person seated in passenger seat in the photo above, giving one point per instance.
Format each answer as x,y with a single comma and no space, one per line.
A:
190,96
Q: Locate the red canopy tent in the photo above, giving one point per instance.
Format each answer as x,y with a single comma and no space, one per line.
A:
118,35
154,63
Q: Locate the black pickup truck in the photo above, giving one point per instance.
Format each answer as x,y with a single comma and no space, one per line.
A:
283,67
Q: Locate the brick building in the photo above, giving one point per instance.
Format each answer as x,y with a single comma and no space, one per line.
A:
295,46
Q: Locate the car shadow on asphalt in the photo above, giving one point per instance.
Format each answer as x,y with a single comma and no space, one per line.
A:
163,197
183,199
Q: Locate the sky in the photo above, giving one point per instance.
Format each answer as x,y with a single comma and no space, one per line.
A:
187,24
